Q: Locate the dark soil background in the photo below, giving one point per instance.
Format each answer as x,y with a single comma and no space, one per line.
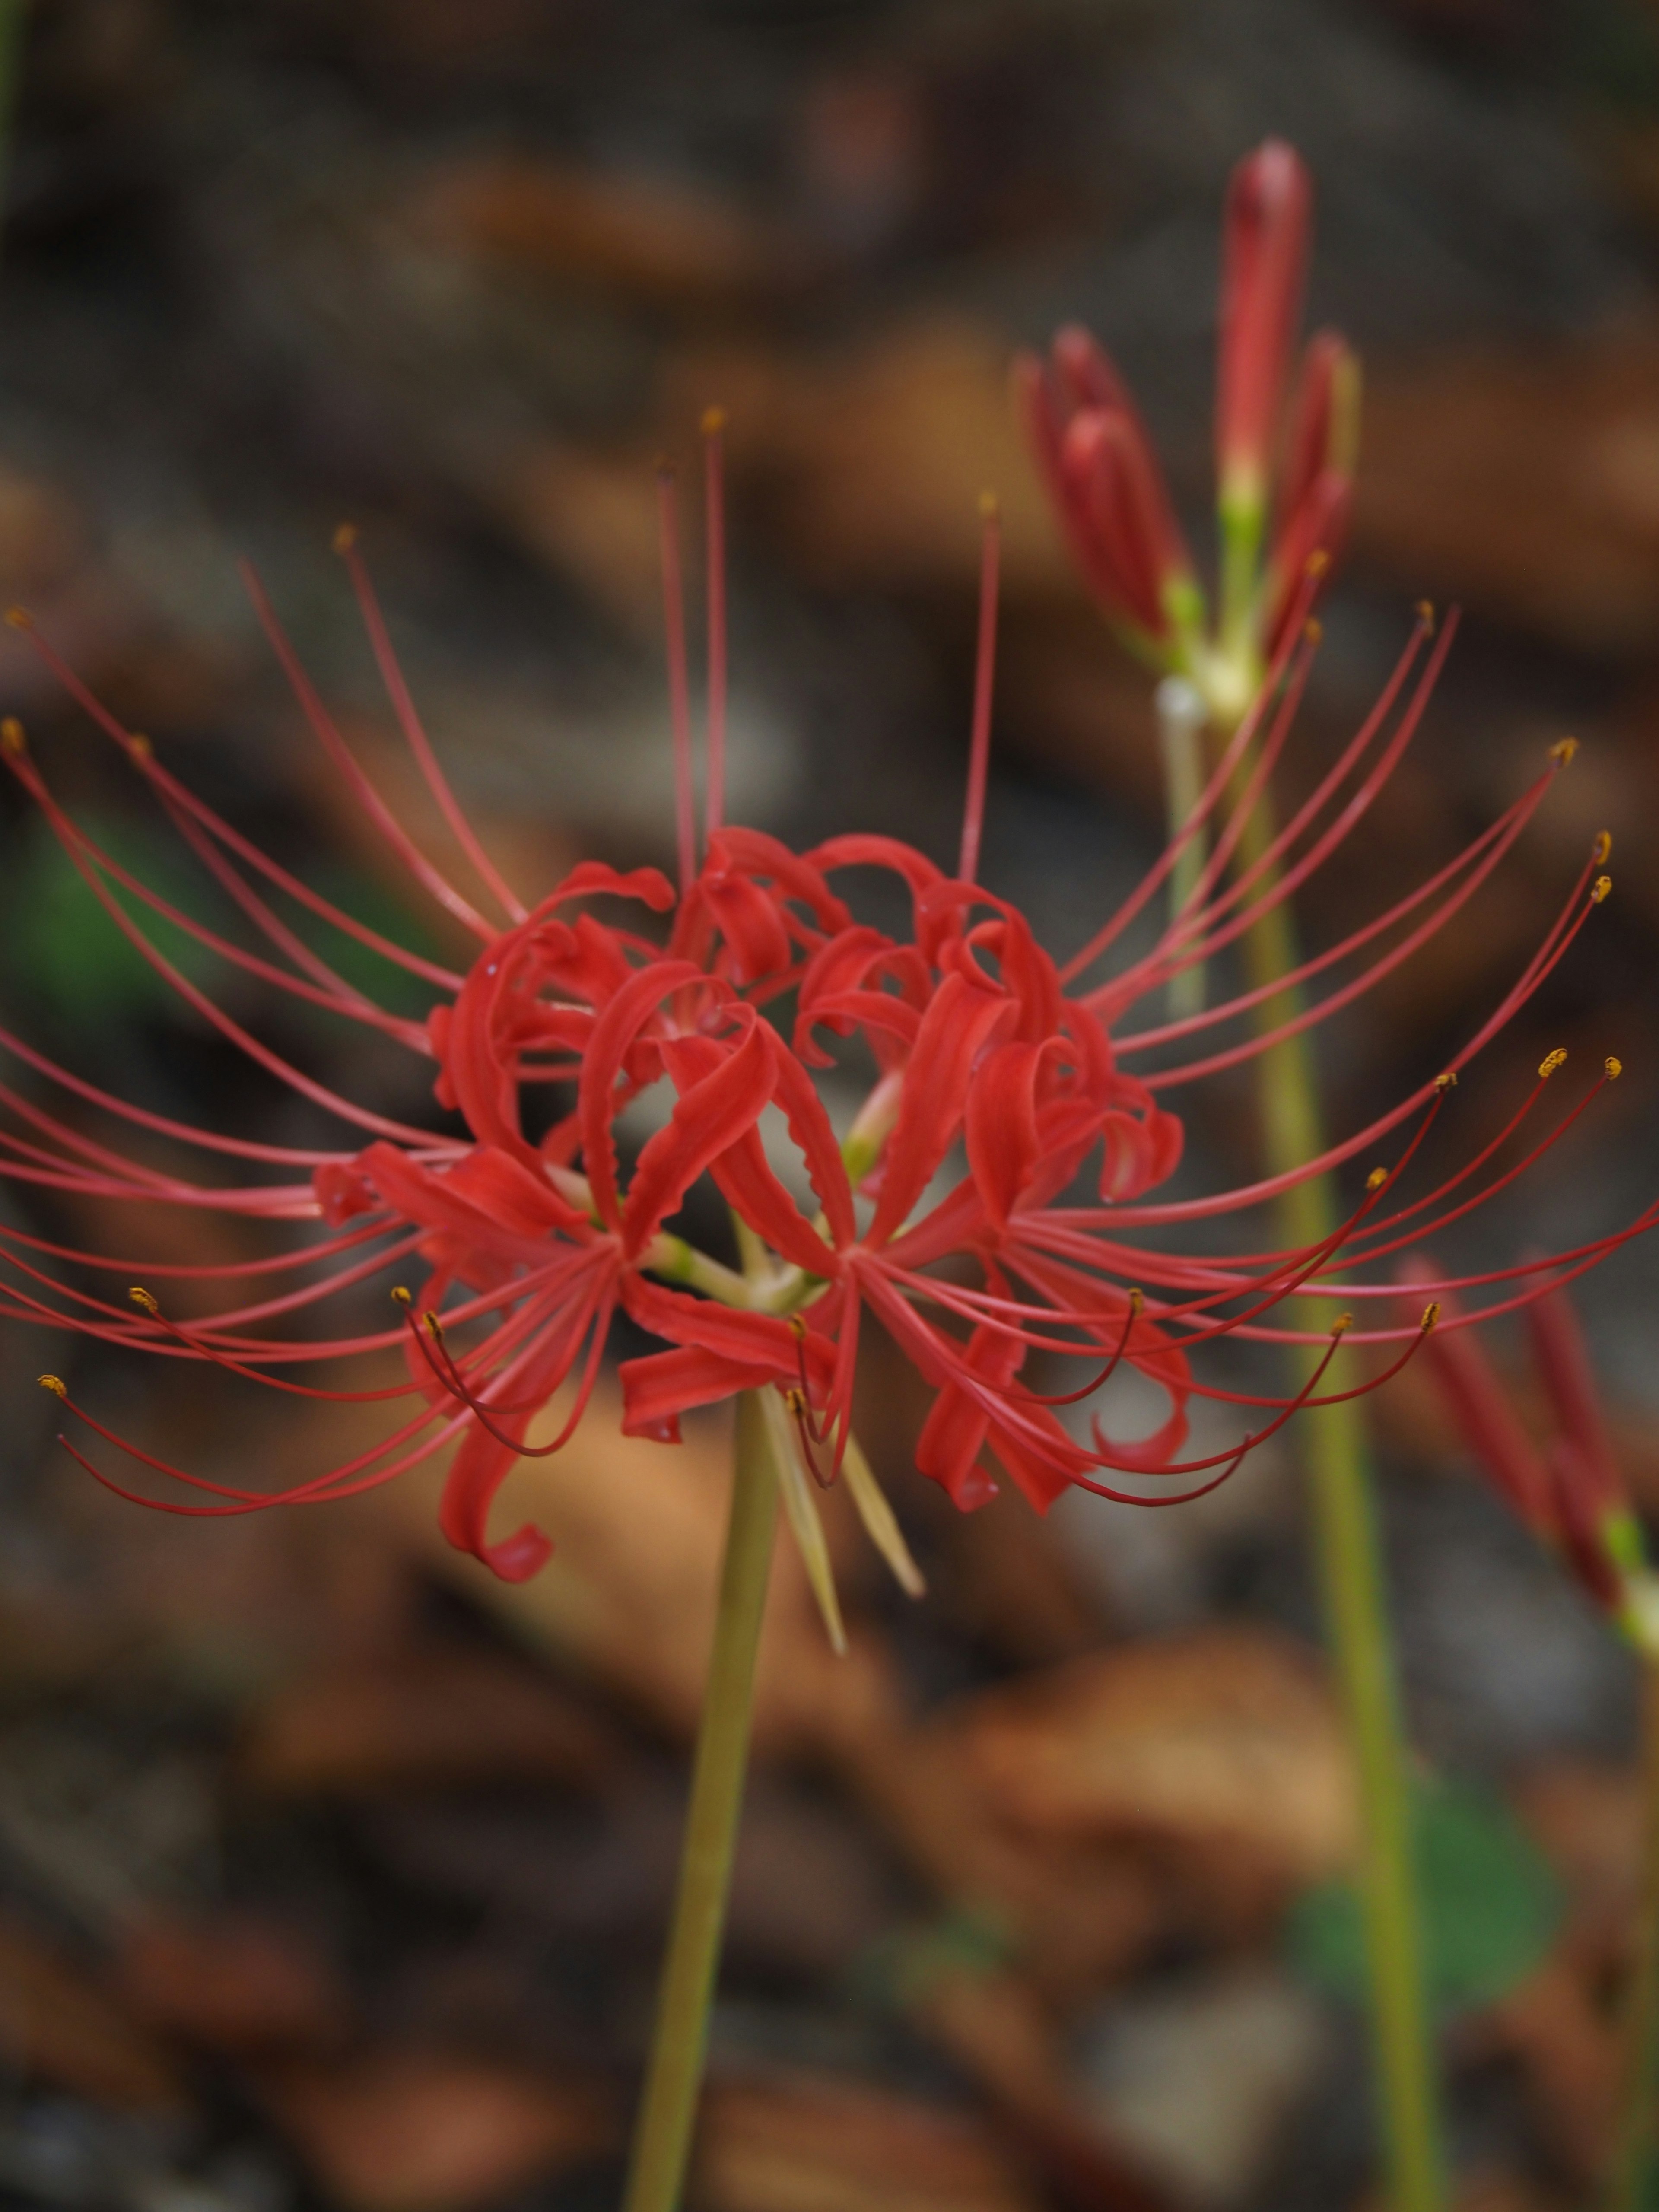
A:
331,1874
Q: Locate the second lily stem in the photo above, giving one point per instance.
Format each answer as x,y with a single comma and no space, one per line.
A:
1638,2138
1350,1563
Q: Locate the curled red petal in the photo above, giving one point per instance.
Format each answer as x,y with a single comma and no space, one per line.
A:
720,1107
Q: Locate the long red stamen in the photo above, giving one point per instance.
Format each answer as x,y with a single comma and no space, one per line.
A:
354,1007
201,1349
317,1092
1267,862
1357,987
713,479
1220,780
408,721
1502,833
431,879
1234,1458
597,1309
679,689
979,750
168,786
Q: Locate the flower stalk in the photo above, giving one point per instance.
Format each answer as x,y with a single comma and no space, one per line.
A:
662,2138
1350,1564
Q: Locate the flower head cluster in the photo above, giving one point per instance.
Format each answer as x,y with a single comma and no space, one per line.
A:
996,1203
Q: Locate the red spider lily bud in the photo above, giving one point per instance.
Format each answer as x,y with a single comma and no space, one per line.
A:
1581,1527
1574,1496
1324,433
1562,1359
1264,261
1108,489
1492,1434
1316,485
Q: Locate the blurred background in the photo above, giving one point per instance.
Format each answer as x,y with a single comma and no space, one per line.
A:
331,1874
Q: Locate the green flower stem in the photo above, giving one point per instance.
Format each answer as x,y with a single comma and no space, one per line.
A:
1351,1572
1634,2165
662,2139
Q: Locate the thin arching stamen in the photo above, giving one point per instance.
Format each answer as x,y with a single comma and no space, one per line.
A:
430,878
1234,1457
354,1006
595,1311
408,721
168,786
714,482
679,690
979,750
1137,1300
1220,778
1500,833
148,1303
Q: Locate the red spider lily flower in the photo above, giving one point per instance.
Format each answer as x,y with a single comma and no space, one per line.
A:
995,1202
1570,1494
1102,476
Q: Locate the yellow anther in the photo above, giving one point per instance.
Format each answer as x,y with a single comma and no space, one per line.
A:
1341,1324
1448,1081
11,736
140,747
345,537
1137,1300
1599,889
20,618
1551,1060
1603,848
433,1325
988,507
54,1383
714,422
1377,1178
401,1297
1563,750
795,1403
1317,564
1611,1068
797,1327
1312,631
1425,615
1431,1313
142,1299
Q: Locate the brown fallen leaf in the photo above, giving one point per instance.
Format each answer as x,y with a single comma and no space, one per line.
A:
58,2025
874,458
629,237
1007,2040
1527,486
232,1982
1226,1739
1587,1816
629,1595
1568,2052
809,2143
420,1719
423,2131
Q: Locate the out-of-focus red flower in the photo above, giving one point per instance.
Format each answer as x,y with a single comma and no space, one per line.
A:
1264,267
1104,476
1108,488
995,1200
1570,1492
